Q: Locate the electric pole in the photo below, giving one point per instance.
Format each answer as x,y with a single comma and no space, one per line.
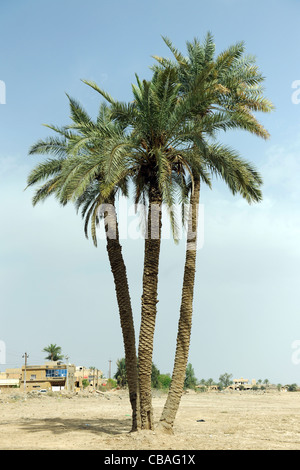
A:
67,378
109,373
26,356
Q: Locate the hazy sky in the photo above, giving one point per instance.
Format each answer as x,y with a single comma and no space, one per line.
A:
56,287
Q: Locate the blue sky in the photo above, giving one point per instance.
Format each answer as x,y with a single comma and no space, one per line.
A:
56,287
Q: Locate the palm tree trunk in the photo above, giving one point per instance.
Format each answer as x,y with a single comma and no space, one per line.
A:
118,269
185,320
149,301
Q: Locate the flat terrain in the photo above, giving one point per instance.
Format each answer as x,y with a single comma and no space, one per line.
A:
233,420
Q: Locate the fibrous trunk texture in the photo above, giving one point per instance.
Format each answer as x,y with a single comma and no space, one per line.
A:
118,269
185,319
149,307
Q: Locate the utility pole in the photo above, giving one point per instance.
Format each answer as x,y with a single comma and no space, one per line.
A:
26,356
67,378
109,372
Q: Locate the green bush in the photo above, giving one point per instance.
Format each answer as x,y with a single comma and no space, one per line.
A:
292,388
164,381
85,383
111,383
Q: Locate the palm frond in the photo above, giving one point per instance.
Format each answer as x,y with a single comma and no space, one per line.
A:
94,85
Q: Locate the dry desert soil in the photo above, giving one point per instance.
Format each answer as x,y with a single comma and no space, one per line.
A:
205,421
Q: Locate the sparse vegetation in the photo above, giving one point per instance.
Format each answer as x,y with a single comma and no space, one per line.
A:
225,380
292,388
85,383
120,375
164,381
111,383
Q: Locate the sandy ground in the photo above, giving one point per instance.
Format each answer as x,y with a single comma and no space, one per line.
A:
234,420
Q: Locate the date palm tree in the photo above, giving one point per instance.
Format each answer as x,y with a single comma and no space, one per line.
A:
162,147
231,108
54,352
145,154
170,123
77,173
159,129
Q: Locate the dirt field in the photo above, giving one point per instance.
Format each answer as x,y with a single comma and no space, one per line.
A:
237,420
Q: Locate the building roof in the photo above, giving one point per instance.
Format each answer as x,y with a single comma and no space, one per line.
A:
9,382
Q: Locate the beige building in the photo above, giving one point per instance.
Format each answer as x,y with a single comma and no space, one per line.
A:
11,374
9,383
10,379
242,384
50,376
93,376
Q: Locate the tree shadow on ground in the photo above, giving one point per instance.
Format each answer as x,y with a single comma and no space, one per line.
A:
61,426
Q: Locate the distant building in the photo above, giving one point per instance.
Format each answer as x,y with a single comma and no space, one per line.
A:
93,376
242,384
50,376
9,383
10,378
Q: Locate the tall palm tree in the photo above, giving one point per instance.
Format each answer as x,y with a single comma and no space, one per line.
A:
231,108
54,352
158,126
77,173
167,142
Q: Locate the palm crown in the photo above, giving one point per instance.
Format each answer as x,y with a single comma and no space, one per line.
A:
223,93
78,170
